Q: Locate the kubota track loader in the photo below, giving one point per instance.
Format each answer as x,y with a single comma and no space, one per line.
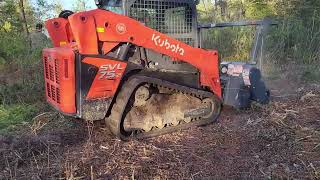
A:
137,64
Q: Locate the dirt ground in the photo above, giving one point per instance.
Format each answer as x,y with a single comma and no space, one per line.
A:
279,140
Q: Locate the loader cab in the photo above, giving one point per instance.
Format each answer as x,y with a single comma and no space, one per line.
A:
176,18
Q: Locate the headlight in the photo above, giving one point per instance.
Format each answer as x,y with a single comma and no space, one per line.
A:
98,2
224,70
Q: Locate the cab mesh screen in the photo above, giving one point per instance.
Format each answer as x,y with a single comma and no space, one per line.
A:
171,18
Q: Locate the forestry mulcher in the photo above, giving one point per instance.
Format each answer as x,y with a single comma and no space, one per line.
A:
138,65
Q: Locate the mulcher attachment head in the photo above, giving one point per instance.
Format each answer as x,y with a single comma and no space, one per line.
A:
242,84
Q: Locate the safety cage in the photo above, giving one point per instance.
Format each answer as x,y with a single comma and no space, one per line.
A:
176,18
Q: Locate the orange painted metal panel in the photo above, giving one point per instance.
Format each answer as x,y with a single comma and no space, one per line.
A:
108,78
59,75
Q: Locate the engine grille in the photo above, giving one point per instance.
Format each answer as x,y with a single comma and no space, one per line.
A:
59,74
52,80
171,18
56,70
46,70
48,89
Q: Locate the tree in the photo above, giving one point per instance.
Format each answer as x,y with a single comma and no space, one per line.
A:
80,5
23,17
44,9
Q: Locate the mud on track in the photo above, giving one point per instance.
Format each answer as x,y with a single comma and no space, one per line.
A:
278,140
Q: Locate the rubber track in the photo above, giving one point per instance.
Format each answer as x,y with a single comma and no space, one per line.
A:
129,87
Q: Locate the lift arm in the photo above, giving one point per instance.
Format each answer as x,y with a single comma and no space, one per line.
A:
95,27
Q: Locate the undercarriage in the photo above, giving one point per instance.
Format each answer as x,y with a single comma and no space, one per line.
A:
147,107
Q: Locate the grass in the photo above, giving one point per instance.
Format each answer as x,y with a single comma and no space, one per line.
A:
21,92
13,115
311,73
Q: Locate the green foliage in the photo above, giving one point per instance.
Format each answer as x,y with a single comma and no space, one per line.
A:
9,16
13,115
231,43
258,9
296,38
13,46
21,78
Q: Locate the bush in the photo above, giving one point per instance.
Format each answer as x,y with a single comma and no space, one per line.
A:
233,44
13,46
294,40
21,79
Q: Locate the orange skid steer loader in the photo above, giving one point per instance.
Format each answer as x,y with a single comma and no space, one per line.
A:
137,65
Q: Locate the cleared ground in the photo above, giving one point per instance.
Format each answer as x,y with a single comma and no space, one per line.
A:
281,139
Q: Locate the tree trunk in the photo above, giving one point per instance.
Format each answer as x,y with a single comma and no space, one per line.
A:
23,18
215,5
